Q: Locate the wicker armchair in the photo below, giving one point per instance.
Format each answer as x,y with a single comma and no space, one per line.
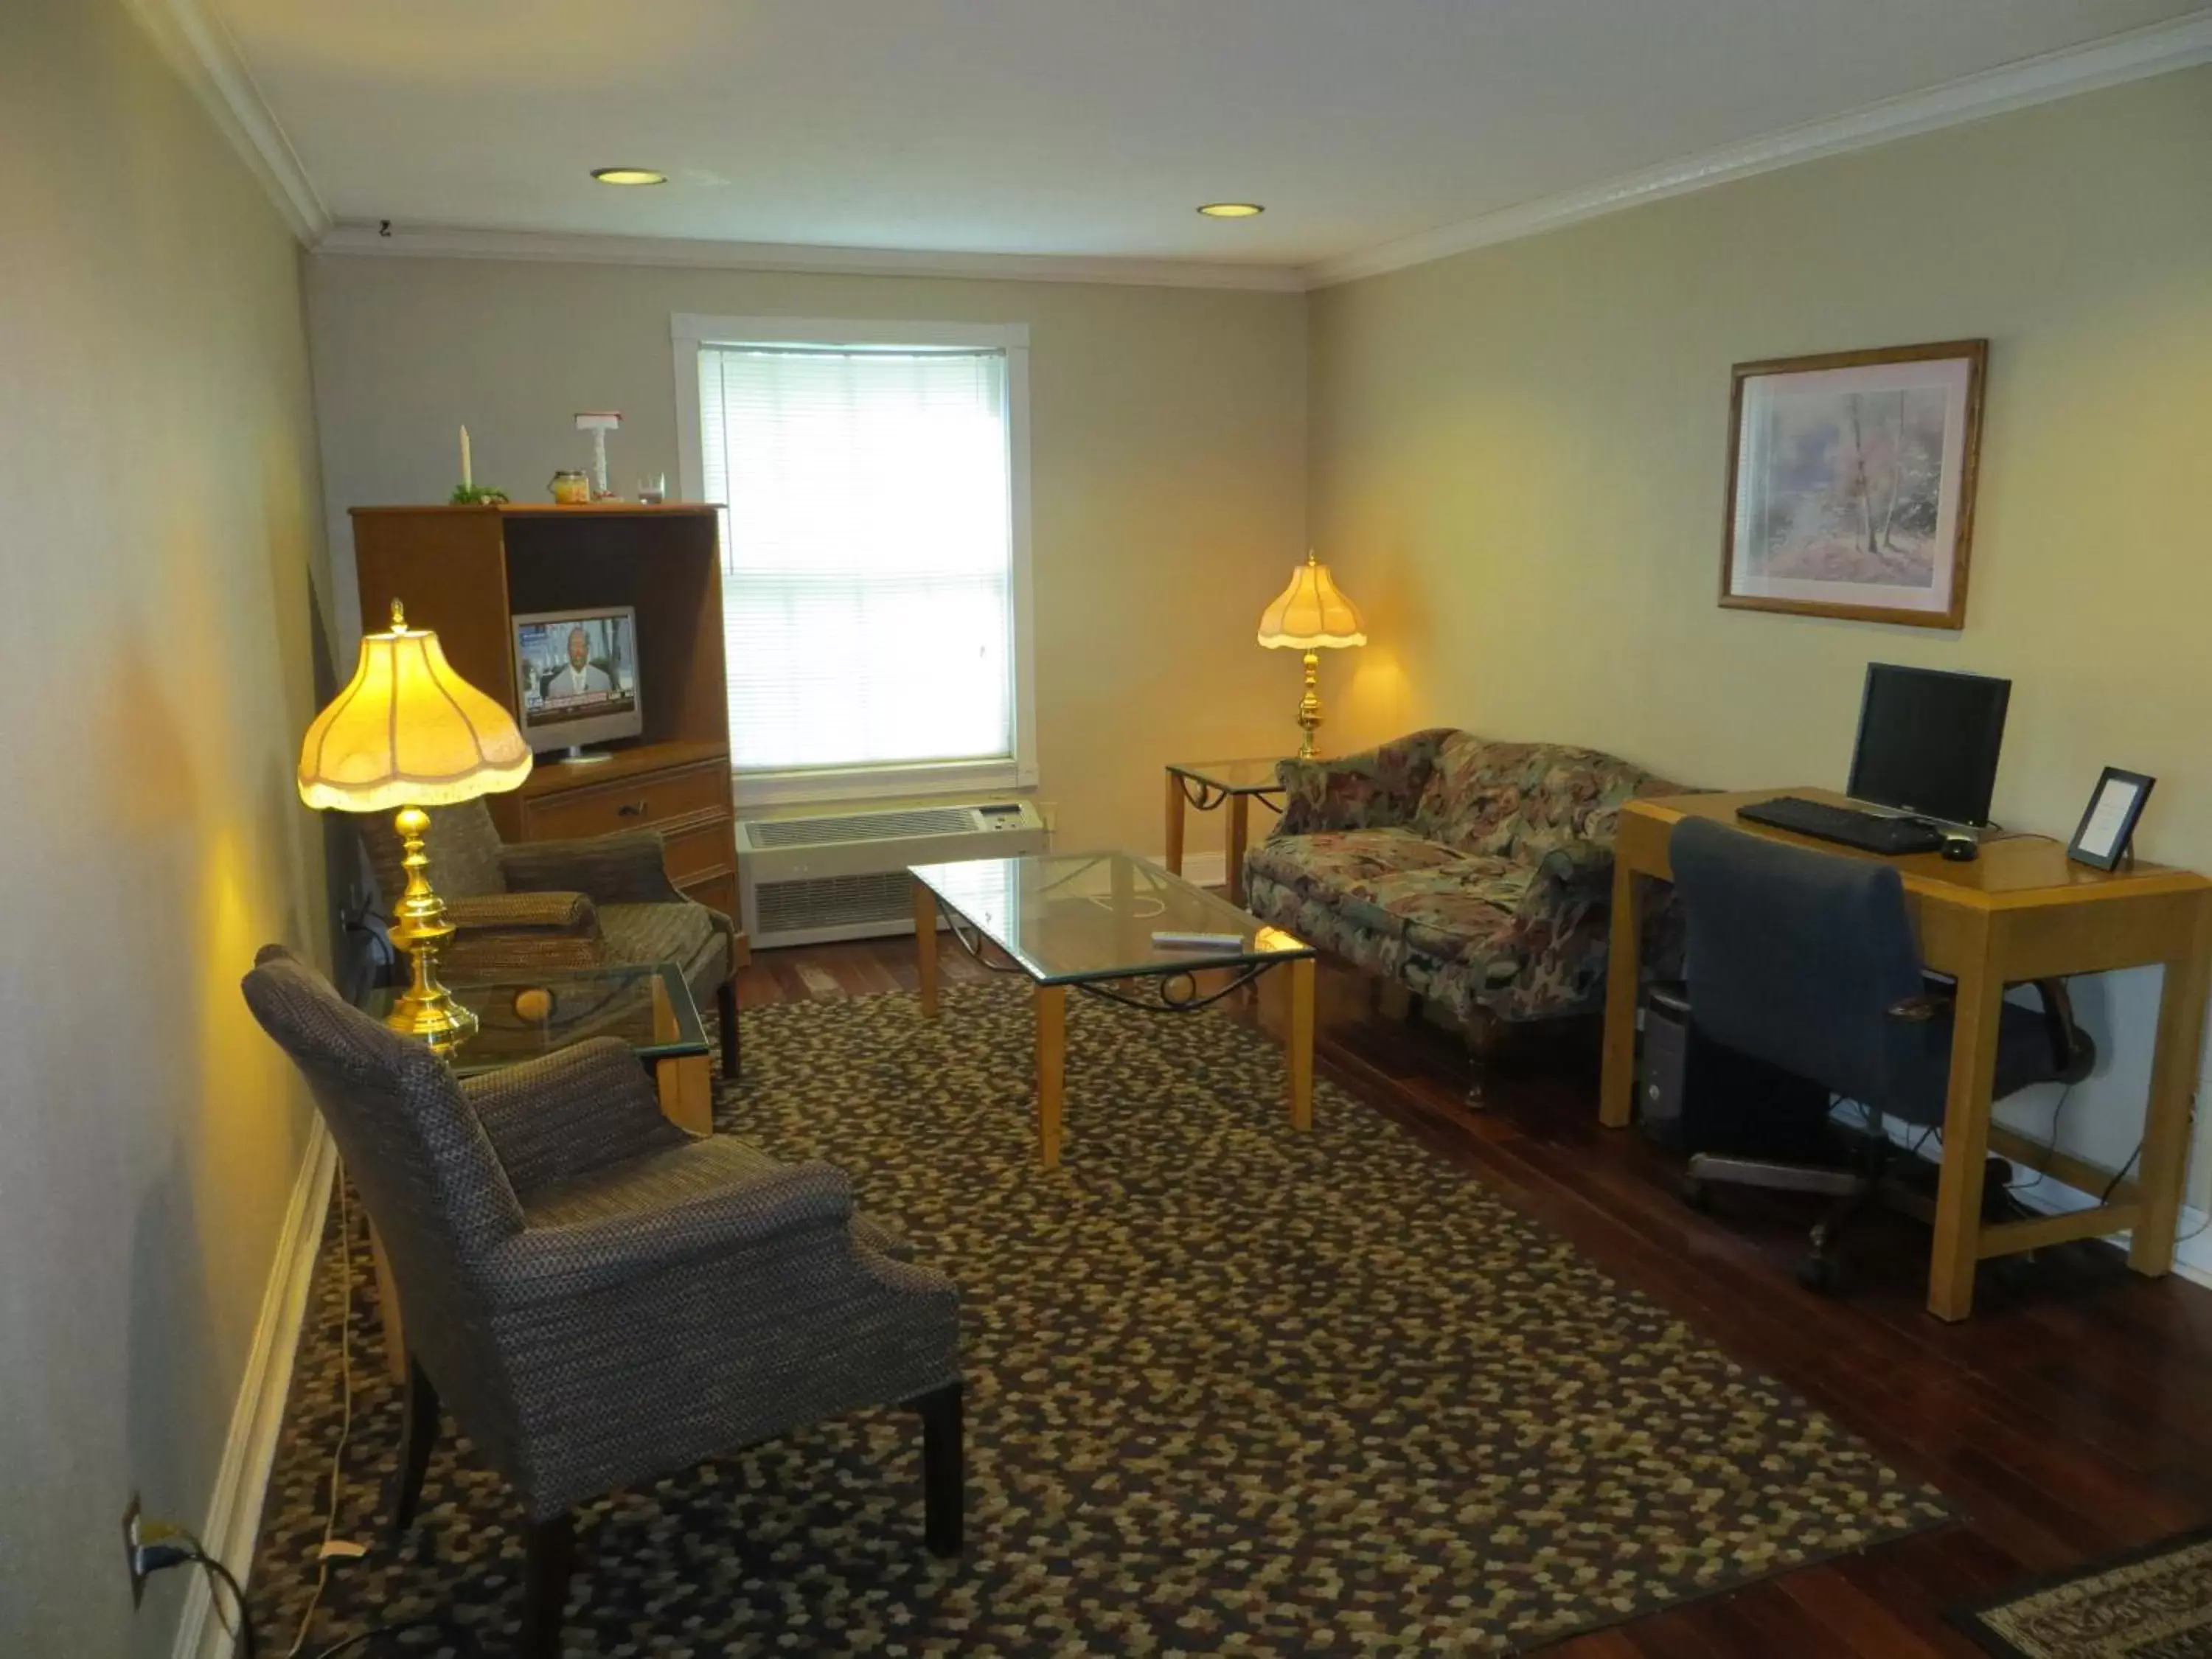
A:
587,903
599,1297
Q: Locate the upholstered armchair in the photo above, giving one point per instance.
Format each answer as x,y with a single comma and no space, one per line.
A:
597,902
598,1297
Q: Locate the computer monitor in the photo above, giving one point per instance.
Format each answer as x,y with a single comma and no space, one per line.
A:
577,677
1928,742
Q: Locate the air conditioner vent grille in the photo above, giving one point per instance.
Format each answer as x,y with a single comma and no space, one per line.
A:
789,906
862,826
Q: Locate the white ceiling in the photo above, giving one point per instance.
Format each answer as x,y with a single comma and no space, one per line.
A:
1087,127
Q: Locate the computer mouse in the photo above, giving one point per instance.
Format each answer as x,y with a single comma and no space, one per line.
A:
1960,850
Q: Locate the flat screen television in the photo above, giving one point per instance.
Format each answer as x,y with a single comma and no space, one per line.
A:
576,677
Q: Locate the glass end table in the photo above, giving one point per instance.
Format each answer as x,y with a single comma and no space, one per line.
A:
1206,785
524,1015
1087,920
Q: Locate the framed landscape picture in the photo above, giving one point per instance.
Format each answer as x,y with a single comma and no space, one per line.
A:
1851,484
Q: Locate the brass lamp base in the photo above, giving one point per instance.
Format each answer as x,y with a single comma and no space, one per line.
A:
1309,717
426,1010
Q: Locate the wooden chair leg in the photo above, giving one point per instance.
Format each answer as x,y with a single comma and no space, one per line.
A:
1484,1034
551,1554
726,1010
418,1433
1393,1000
944,1469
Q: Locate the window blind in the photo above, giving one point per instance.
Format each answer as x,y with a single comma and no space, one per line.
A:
868,545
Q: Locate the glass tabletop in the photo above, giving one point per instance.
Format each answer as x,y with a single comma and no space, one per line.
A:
1235,777
648,1005
1067,917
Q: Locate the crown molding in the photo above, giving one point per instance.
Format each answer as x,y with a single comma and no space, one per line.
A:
445,242
200,49
2134,56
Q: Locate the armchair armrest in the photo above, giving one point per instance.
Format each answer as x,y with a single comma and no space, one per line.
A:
524,912
1380,786
610,1250
553,1119
624,868
520,933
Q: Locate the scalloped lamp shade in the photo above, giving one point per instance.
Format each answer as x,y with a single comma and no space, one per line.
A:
1311,613
408,732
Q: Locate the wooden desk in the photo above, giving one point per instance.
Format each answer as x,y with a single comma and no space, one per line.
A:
2020,911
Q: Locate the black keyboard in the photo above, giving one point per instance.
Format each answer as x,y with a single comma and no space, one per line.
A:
1871,832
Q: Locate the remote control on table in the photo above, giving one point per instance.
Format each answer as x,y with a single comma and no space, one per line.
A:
1167,940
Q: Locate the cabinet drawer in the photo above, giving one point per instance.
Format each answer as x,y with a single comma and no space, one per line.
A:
693,855
627,804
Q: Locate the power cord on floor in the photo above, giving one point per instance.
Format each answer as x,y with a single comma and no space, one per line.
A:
248,1642
2049,1145
331,1547
2120,1175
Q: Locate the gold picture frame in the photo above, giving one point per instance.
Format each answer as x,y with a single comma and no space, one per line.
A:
1850,483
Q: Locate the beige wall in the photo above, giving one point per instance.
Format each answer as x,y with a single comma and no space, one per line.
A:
157,463
1518,458
1168,435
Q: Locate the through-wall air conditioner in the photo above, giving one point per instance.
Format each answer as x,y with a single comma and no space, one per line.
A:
842,875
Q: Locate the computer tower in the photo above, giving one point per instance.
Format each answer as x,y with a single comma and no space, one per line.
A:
1661,1068
1693,1096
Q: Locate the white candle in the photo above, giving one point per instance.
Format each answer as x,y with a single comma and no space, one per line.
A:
468,473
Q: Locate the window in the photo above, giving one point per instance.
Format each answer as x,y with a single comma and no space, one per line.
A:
875,581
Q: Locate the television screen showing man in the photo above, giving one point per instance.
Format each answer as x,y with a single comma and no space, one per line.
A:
575,667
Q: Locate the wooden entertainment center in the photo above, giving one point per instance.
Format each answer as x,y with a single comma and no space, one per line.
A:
467,571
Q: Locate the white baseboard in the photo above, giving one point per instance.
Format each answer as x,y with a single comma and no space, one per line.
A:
241,1481
1201,869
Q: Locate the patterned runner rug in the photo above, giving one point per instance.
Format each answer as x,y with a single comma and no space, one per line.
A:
2153,1603
1231,1388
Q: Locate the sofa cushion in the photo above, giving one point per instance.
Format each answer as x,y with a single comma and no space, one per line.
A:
1461,912
1393,883
1333,862
1520,800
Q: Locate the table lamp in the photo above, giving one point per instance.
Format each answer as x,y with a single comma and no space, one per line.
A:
1310,616
409,732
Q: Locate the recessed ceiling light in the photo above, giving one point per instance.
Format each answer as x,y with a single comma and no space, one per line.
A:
1233,210
628,176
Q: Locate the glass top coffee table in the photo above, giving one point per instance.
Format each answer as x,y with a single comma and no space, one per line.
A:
1087,919
525,1015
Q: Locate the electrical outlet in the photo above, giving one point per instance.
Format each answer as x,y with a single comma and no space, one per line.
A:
130,1551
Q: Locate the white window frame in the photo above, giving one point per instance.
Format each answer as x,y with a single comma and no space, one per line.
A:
689,331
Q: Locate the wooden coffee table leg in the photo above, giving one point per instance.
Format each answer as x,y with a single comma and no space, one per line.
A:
1051,1068
924,946
1301,1043
687,1092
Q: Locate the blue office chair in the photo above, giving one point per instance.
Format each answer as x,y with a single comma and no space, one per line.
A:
1806,961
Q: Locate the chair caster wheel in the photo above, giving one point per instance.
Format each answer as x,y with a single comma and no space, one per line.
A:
1821,1273
1697,1195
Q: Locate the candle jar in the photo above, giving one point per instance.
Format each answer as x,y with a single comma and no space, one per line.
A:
571,489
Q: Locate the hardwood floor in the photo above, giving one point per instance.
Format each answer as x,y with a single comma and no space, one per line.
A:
2071,1417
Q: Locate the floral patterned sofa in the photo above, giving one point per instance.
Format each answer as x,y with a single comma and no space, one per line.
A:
1477,874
